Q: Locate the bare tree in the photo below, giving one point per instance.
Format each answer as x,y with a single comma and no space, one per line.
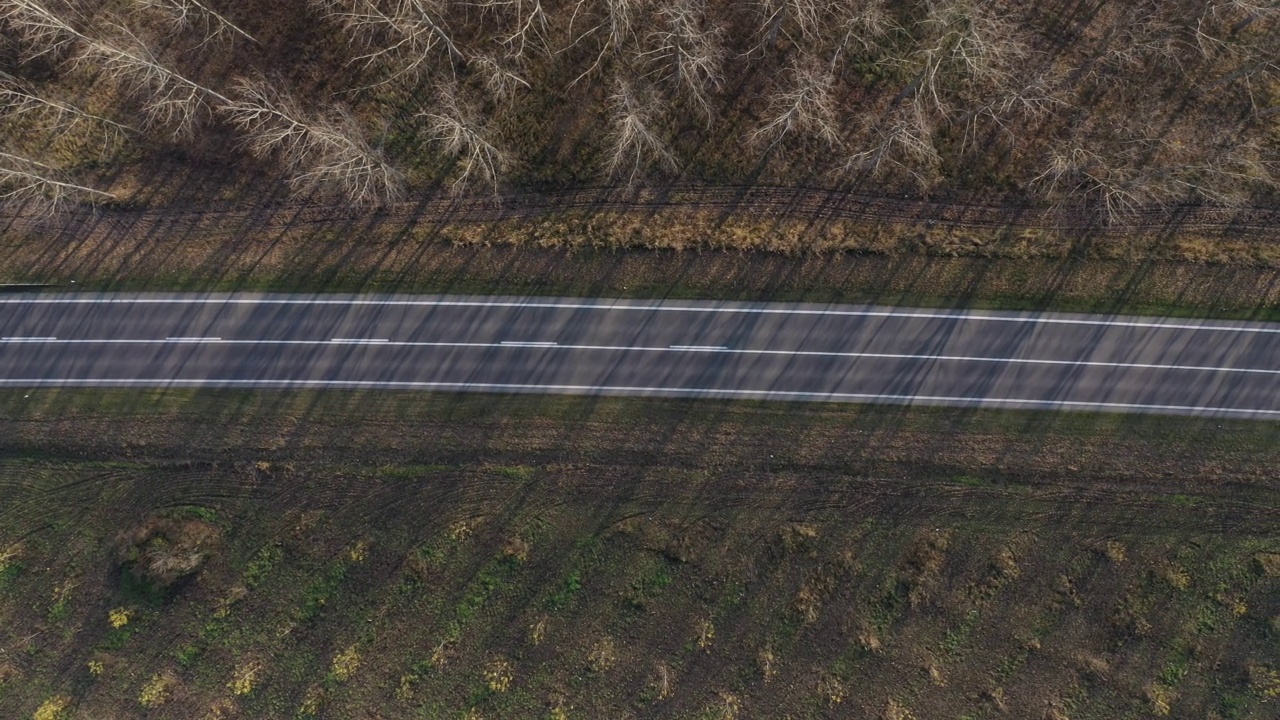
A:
688,51
501,82
1228,175
633,141
1033,101
805,106
407,34
862,25
1113,186
528,23
28,182
171,99
59,118
901,141
799,20
617,24
42,30
964,41
184,14
463,136
325,152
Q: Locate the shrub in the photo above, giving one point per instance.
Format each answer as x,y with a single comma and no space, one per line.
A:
498,675
157,691
119,617
1268,563
245,678
345,664
55,708
162,551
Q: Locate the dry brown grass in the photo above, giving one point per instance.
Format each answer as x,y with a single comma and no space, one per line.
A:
163,550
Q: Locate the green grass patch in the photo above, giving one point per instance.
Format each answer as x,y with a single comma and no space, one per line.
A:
317,594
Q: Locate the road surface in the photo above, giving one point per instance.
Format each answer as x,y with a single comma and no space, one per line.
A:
637,347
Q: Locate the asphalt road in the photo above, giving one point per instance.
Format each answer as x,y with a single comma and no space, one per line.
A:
636,347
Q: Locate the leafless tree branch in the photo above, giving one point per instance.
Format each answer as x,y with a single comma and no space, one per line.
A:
464,138
903,140
58,117
41,30
688,50
805,106
407,34
633,141
324,152
25,181
171,100
185,14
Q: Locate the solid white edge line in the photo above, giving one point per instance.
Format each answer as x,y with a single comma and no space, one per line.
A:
625,389
727,351
911,314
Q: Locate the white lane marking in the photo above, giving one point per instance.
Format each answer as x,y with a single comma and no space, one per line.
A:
699,348
28,339
727,351
354,341
640,389
193,339
1269,328
527,343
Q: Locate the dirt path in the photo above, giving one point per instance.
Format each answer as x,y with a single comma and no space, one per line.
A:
794,203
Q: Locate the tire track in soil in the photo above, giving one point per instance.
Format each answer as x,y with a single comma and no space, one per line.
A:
757,201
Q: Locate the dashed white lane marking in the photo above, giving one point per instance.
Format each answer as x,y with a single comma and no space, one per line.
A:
1270,328
381,342
643,390
698,348
27,339
527,343
193,339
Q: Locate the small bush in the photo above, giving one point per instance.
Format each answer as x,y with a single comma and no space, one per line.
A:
1174,574
1268,564
119,617
603,656
1115,551
157,691
1161,699
1264,681
312,701
498,675
895,710
767,660
245,678
261,565
10,565
345,664
55,708
706,635
798,537
162,551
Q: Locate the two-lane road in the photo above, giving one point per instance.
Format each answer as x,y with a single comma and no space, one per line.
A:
636,347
